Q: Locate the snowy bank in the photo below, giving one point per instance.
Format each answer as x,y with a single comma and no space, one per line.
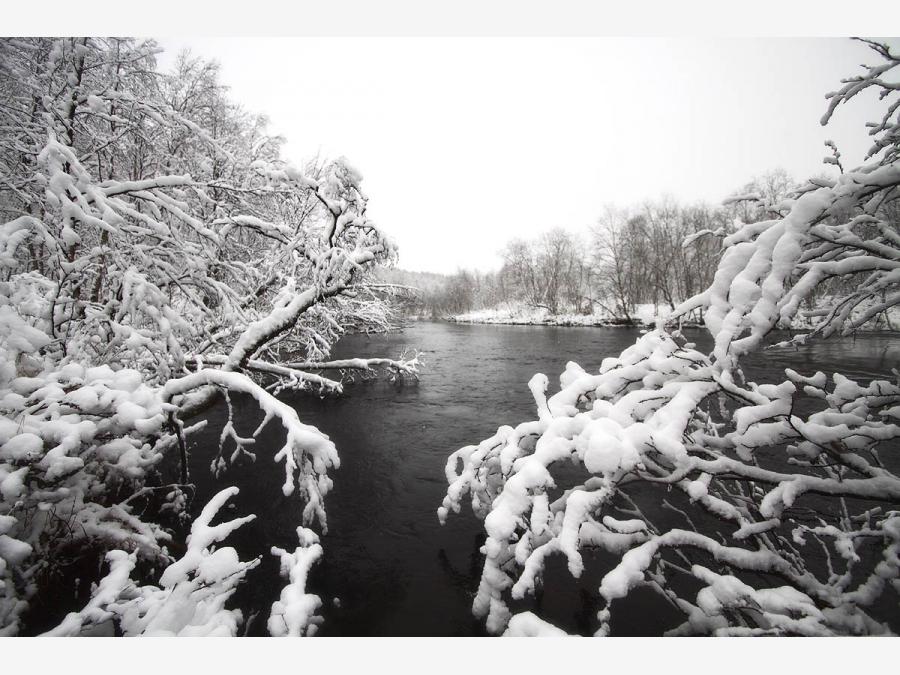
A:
644,315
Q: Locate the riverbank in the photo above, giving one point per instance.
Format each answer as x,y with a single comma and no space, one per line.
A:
643,316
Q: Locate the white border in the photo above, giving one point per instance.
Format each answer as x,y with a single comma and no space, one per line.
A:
723,18
447,656
438,656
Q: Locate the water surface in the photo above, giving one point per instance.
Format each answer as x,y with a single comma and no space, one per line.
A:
393,569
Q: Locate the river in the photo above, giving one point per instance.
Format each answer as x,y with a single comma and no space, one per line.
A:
389,567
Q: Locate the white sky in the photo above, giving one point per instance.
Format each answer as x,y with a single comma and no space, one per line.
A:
465,143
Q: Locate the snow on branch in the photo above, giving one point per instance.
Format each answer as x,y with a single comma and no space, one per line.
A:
407,366
191,596
294,613
307,452
134,241
288,374
794,498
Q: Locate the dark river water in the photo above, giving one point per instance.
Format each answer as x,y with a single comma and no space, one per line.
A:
389,567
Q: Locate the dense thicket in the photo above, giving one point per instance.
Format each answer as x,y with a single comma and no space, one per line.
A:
156,250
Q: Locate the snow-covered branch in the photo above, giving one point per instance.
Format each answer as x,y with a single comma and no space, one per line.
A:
777,489
155,250
192,592
307,452
294,613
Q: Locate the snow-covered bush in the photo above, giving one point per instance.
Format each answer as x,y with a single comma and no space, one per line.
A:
155,250
190,599
808,533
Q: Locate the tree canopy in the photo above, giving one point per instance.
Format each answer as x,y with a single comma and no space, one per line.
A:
156,250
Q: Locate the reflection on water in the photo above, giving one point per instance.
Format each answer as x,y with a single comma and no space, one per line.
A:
394,569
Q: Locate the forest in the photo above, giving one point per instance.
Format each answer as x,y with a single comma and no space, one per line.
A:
653,254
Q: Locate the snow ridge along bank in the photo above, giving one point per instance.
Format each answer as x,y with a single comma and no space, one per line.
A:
645,315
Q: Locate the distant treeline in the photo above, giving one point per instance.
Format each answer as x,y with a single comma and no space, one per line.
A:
645,254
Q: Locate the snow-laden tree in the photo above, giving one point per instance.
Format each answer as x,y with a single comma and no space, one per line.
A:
807,512
155,250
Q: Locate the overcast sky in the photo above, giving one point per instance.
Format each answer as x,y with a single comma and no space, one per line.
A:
465,143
